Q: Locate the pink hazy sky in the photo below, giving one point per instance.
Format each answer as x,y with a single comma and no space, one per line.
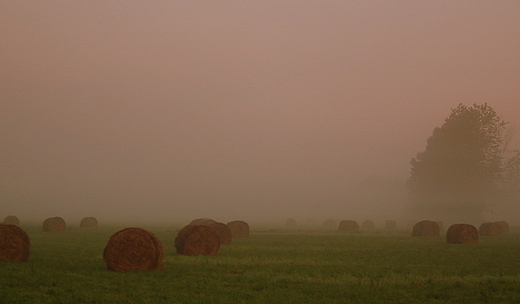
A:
161,109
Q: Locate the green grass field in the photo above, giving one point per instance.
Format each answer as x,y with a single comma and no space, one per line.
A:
271,267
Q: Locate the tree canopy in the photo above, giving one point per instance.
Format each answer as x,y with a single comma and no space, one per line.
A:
458,174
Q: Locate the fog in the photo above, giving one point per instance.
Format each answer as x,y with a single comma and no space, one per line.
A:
165,111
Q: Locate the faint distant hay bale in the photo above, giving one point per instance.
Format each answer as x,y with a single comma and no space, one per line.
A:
223,232
504,225
348,226
368,225
329,224
88,222
12,220
203,221
239,229
426,228
133,249
490,229
14,243
462,234
391,225
290,223
54,224
197,240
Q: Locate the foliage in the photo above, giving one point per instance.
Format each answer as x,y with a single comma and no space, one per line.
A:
311,267
458,173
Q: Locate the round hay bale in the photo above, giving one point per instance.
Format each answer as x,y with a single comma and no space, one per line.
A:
133,249
348,226
197,240
490,229
462,234
290,223
54,224
426,228
504,226
14,244
391,225
329,224
223,232
368,225
88,222
203,221
239,229
12,220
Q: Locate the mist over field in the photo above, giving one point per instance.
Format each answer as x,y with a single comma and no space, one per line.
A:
166,111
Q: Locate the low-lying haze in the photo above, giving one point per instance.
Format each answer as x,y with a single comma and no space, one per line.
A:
253,110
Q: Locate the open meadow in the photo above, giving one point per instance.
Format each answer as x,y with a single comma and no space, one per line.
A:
271,266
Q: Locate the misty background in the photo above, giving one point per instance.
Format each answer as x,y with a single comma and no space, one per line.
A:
166,111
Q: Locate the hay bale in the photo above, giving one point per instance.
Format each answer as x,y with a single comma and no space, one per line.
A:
504,226
133,249
329,224
490,229
290,223
348,226
493,228
426,228
12,220
239,229
368,225
14,244
223,232
462,234
54,224
88,222
391,225
203,221
197,240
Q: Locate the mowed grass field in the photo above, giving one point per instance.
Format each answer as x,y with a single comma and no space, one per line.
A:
271,267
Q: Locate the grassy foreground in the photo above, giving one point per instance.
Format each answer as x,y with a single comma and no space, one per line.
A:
271,267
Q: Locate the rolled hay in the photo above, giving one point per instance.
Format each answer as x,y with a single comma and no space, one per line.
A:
504,225
348,226
239,229
133,249
223,232
462,234
88,222
14,244
426,228
490,229
329,224
197,240
368,225
12,220
203,221
54,224
391,225
290,223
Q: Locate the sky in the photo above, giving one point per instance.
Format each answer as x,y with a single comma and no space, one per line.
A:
173,110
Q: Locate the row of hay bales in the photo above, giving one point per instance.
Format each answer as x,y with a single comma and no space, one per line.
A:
135,248
54,223
460,233
291,223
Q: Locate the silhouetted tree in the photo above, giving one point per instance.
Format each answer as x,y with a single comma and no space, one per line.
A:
459,173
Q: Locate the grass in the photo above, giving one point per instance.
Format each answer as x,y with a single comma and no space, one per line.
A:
271,267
